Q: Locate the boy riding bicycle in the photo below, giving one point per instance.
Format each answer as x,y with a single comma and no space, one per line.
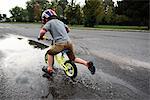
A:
59,32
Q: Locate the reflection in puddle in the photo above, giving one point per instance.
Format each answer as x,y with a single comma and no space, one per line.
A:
15,43
20,54
20,38
22,67
1,37
37,44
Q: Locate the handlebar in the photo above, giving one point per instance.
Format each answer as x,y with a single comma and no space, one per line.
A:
46,38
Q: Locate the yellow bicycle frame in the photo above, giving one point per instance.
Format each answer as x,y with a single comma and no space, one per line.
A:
61,59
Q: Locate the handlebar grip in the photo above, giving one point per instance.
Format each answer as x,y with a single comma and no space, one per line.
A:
46,38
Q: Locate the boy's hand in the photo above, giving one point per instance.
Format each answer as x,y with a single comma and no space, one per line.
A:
41,34
67,29
39,38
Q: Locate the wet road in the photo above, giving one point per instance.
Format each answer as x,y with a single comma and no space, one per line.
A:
121,59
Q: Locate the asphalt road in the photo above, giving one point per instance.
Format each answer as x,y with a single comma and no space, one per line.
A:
121,58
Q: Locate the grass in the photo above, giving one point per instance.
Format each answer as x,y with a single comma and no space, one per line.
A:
112,27
121,27
100,27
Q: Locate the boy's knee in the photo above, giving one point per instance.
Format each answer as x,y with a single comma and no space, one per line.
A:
50,52
71,56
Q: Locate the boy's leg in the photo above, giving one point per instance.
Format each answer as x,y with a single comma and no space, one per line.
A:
72,57
88,64
55,49
81,61
50,63
78,60
49,69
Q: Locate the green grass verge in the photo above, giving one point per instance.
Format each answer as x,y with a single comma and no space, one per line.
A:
97,27
112,27
121,27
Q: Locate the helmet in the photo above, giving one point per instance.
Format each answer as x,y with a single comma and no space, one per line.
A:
47,14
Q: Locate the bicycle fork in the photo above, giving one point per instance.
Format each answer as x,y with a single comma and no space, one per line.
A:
61,61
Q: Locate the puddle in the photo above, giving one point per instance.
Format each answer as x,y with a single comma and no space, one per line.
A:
25,58
22,64
36,44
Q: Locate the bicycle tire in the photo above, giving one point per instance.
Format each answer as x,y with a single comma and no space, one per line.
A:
71,64
46,58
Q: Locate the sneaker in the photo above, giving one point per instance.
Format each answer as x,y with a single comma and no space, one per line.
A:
91,67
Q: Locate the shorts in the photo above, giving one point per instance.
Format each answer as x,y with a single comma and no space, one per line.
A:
58,47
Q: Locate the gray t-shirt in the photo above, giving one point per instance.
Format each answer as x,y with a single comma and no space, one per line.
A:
57,30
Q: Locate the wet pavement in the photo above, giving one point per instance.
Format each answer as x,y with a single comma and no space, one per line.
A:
21,60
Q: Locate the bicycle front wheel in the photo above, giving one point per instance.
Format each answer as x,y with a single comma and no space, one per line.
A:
46,58
71,69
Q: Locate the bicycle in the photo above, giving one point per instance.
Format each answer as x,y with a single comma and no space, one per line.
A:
68,66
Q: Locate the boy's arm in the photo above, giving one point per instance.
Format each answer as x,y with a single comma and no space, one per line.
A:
67,28
42,33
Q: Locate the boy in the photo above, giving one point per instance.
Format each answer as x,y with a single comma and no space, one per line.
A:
59,32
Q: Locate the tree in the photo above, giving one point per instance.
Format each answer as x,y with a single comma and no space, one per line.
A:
74,14
0,17
4,16
78,14
30,10
35,9
136,10
63,4
93,12
17,13
109,12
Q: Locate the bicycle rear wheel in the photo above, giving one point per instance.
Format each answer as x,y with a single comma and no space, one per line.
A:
71,69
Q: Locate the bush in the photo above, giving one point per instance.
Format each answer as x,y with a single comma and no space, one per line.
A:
121,19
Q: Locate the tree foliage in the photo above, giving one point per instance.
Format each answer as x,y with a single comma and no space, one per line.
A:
128,12
136,10
17,13
74,14
3,16
35,8
109,15
63,5
93,10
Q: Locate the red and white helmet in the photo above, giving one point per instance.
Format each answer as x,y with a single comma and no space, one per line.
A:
48,14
